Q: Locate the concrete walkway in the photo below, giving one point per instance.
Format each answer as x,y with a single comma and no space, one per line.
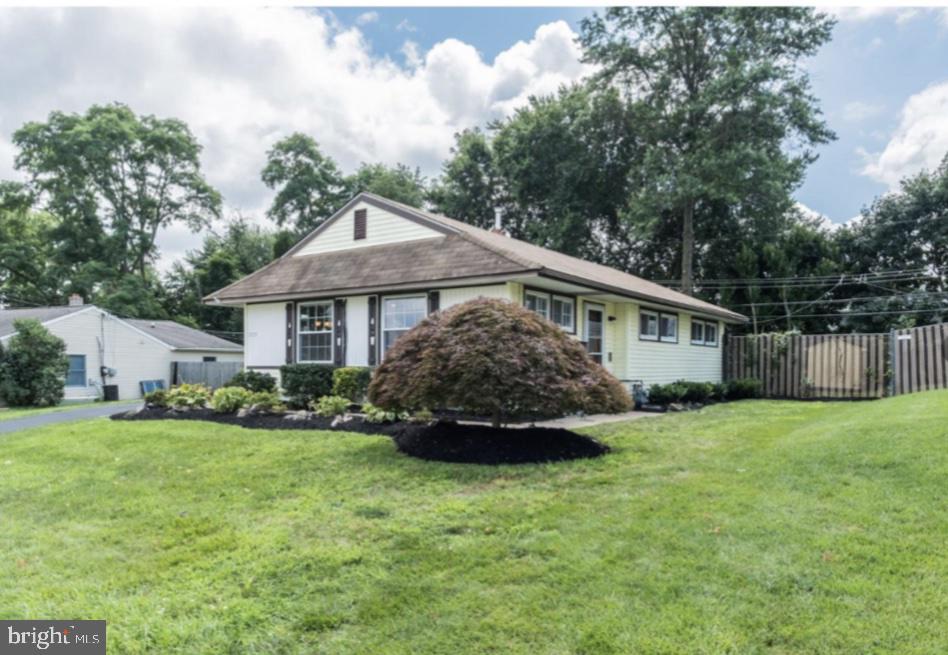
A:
574,422
88,411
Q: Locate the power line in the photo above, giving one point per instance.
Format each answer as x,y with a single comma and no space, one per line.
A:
936,310
836,301
825,276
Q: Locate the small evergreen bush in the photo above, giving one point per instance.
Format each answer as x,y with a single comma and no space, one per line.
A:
696,392
157,398
304,383
227,400
184,396
666,394
33,366
253,381
351,382
743,388
331,406
719,391
265,401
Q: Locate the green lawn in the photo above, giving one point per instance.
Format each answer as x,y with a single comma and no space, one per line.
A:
7,413
753,527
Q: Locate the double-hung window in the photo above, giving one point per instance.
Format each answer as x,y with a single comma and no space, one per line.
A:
658,326
76,375
315,332
399,315
704,333
559,309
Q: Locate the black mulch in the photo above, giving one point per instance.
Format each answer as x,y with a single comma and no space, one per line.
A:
481,444
444,441
261,422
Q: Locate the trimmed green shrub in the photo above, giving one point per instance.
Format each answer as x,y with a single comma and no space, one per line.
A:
304,383
494,358
33,366
331,406
743,388
375,414
188,395
265,401
666,394
696,392
351,382
253,381
228,400
157,398
718,391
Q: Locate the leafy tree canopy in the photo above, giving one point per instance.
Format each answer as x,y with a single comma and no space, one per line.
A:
726,104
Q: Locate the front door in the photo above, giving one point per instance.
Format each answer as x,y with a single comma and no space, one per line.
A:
593,330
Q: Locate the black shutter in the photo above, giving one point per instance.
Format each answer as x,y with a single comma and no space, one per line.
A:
434,301
373,329
339,331
360,224
289,332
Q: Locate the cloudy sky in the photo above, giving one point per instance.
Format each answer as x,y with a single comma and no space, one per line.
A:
394,85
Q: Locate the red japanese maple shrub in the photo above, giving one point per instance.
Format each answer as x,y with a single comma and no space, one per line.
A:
493,358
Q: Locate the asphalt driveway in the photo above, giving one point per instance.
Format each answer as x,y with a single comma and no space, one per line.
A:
89,411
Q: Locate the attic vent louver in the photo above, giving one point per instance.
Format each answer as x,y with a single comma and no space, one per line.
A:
360,224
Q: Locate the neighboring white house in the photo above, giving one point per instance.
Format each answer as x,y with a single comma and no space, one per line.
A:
377,267
134,350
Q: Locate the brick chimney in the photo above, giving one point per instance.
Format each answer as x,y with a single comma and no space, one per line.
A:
75,300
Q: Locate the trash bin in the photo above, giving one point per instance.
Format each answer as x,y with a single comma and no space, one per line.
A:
110,392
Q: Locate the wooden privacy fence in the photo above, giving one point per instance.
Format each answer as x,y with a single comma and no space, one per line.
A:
212,374
919,359
842,365
810,366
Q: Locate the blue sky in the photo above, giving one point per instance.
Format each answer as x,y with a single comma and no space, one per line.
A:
394,85
876,61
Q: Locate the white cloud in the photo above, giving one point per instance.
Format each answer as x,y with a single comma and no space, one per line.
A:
405,25
243,78
812,214
920,141
871,12
859,111
367,17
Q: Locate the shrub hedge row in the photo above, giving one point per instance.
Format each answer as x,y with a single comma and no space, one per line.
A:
700,392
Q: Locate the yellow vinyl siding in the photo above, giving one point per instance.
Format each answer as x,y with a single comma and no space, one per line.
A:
659,362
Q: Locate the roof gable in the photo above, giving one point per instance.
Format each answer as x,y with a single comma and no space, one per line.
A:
382,226
41,314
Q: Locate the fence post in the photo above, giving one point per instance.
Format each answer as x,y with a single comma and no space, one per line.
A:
892,361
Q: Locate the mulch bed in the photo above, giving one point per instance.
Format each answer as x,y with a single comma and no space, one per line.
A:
261,422
482,444
443,441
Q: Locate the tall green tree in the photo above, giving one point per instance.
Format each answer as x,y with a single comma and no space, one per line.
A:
222,259
308,183
722,92
906,230
399,183
113,180
469,188
27,271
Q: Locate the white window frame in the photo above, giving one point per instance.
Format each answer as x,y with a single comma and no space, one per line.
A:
85,372
704,341
697,323
662,337
549,297
652,314
540,295
300,332
383,329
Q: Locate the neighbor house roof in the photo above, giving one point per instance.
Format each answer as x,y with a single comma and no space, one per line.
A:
465,252
41,314
182,337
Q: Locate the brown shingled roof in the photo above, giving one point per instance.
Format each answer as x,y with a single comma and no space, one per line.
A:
466,252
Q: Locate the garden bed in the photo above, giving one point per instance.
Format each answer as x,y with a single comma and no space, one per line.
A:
444,441
482,444
260,421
